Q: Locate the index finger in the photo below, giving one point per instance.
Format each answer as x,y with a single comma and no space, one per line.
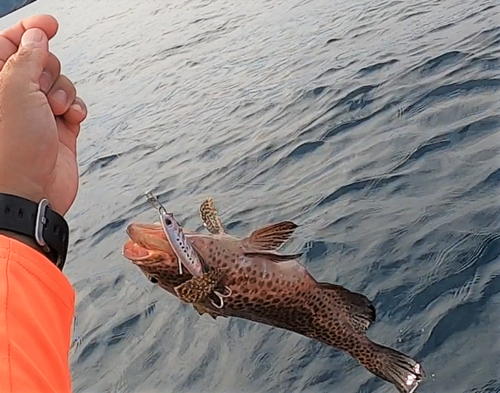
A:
11,38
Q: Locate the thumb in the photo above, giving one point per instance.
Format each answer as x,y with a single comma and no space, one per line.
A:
28,62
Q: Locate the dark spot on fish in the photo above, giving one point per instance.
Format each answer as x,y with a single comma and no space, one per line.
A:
253,280
248,269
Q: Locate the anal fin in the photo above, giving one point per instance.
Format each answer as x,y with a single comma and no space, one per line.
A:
358,308
272,256
359,322
270,237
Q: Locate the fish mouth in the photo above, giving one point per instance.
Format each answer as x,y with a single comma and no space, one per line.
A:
147,243
136,253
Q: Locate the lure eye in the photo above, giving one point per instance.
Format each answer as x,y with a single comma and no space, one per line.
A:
168,222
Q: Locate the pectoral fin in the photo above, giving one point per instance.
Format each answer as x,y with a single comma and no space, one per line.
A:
194,290
197,289
210,217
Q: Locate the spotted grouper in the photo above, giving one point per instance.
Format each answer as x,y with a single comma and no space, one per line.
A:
270,288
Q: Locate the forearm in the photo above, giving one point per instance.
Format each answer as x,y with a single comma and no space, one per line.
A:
36,315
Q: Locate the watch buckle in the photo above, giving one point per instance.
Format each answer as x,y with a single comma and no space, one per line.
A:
40,222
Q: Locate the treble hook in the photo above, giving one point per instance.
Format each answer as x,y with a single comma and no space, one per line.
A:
221,302
228,290
221,297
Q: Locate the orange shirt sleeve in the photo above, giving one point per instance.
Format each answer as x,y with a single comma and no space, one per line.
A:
36,317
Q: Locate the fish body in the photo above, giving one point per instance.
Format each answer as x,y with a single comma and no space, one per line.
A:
276,290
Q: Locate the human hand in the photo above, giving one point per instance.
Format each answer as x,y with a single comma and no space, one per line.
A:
40,117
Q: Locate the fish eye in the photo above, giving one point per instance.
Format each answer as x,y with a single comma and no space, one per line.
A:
153,279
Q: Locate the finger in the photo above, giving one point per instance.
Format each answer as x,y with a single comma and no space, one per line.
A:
76,113
11,38
27,64
68,133
61,95
50,73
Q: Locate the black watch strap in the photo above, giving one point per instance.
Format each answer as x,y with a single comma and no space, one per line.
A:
37,221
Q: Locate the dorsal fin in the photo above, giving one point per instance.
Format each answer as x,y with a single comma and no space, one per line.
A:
359,309
272,256
270,237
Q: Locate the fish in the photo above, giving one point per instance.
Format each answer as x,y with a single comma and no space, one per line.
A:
273,288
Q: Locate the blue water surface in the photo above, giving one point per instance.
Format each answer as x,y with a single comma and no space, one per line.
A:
375,125
8,6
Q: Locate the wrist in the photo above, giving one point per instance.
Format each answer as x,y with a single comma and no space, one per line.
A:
36,225
23,239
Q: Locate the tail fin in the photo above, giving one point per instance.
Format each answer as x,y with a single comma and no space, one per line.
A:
397,368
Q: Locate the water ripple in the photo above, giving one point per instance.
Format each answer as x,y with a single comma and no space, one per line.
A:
375,125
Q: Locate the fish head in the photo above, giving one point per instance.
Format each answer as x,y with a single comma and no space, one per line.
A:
146,241
148,249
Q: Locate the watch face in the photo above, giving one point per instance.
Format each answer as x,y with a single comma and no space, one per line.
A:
8,6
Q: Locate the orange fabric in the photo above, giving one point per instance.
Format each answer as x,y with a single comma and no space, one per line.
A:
36,316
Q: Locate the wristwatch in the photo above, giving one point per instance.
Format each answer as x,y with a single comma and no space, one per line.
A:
37,221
